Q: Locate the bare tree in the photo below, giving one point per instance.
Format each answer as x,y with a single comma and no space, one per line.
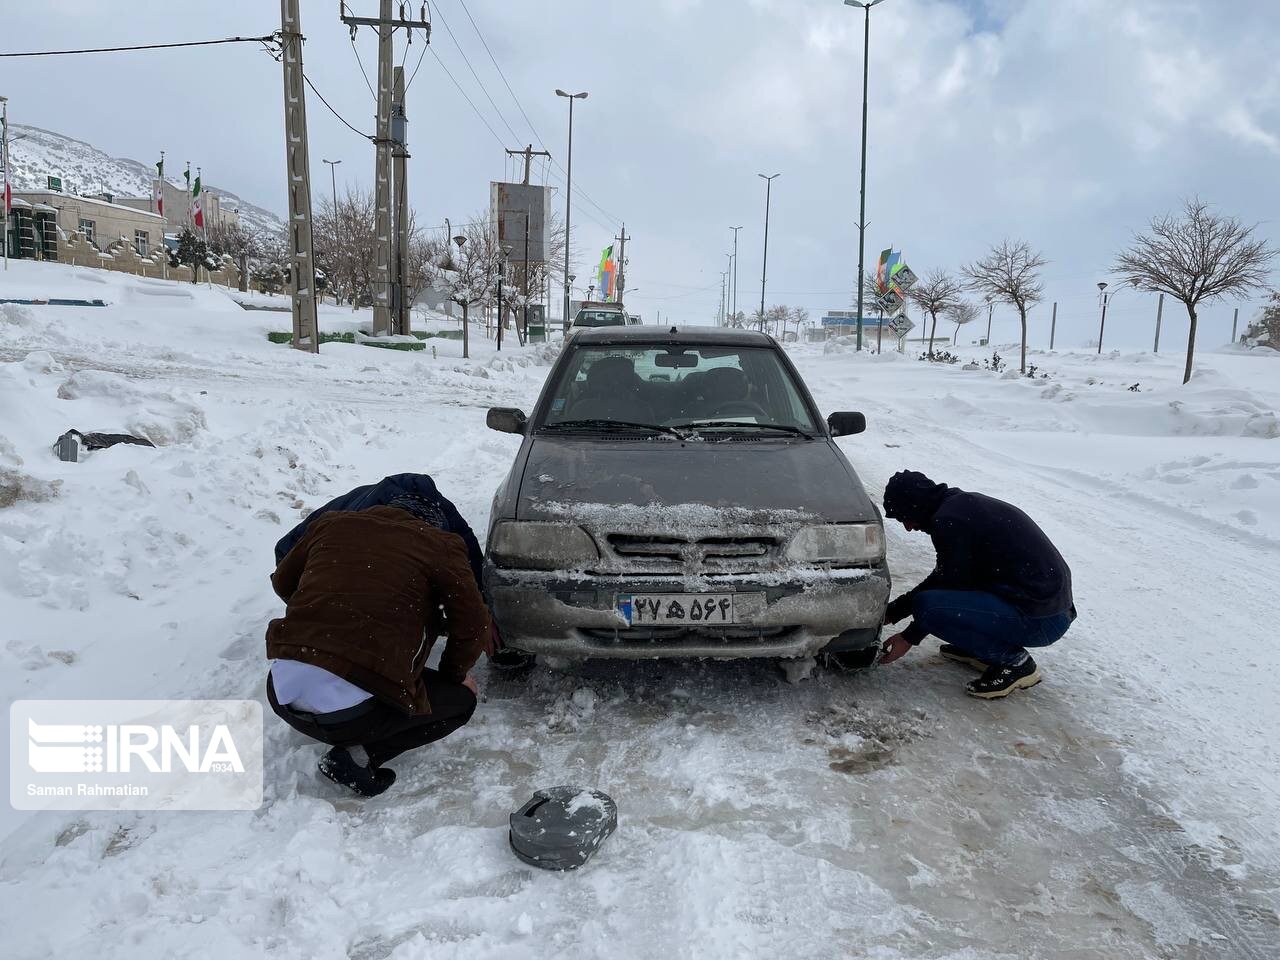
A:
937,293
801,317
1010,273
1195,257
776,318
960,313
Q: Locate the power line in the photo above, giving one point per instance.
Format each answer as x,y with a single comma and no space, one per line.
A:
333,111
360,63
467,98
467,61
613,220
142,46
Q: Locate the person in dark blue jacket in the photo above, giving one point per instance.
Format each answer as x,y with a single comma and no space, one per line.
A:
999,585
416,486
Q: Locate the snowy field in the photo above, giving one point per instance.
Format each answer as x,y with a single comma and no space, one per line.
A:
1126,807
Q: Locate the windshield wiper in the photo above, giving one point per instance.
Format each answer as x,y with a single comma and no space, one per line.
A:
599,424
782,427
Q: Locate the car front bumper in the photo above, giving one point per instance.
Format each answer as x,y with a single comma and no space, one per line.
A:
576,615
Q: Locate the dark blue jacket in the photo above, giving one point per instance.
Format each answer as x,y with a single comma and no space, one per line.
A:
982,544
380,494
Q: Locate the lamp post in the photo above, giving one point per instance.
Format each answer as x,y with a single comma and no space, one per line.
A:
764,261
333,180
1102,289
464,295
568,198
862,191
735,270
503,252
991,308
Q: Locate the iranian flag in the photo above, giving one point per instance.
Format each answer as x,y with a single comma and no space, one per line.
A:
197,205
158,192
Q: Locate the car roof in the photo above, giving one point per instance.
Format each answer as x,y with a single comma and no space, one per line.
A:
661,333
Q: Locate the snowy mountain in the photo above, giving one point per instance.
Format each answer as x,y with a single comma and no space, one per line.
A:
85,169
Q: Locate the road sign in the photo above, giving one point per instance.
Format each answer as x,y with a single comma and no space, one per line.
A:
903,277
901,326
55,183
890,302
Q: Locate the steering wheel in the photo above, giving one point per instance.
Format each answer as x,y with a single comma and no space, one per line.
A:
741,408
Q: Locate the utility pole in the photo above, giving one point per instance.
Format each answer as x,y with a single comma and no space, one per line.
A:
723,294
528,153
333,180
1235,322
622,262
306,331
400,153
991,309
4,183
1159,317
735,270
386,308
1053,327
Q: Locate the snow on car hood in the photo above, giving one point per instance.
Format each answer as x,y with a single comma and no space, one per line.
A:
696,483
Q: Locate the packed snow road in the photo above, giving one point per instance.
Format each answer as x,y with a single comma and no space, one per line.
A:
1126,807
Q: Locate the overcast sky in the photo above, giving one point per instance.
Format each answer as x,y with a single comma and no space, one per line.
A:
1064,122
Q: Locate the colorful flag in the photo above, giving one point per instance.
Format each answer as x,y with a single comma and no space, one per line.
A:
607,272
885,269
197,205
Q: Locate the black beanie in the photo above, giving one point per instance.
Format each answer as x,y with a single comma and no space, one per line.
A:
911,497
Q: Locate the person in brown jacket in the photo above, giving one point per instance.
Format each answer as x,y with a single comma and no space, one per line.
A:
364,592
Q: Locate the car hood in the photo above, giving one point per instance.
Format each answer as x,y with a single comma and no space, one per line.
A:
748,481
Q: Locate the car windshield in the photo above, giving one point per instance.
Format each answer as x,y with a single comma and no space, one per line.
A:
731,389
600,318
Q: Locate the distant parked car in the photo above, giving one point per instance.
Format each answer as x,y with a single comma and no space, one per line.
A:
600,315
678,494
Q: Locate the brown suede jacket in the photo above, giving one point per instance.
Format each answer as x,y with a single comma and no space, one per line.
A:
363,590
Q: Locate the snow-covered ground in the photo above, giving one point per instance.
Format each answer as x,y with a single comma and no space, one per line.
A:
1127,807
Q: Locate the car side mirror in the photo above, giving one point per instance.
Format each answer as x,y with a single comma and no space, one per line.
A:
846,424
507,420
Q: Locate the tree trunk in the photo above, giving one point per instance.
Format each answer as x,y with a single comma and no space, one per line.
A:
1191,344
932,330
1022,315
466,338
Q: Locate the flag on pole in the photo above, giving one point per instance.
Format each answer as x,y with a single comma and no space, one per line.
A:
158,193
197,206
608,270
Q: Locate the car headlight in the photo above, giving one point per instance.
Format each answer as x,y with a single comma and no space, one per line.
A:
838,543
541,546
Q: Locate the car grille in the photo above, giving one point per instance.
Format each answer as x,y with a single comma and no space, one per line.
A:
686,555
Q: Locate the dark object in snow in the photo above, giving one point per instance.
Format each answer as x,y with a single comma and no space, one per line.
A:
560,828
70,443
339,766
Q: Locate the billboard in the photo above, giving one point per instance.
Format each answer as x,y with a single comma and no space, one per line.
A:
512,206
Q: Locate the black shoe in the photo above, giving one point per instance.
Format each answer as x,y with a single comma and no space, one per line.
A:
340,767
960,655
1001,681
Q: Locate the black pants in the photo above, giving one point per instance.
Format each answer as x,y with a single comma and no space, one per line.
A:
383,730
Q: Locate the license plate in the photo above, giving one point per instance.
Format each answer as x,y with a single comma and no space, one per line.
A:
678,609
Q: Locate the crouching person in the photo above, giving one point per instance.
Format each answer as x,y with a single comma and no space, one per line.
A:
999,586
363,589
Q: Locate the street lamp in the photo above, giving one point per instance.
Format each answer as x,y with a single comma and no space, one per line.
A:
1102,289
568,198
764,262
333,180
862,192
504,251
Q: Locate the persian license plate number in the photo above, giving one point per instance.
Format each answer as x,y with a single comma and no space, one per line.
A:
677,609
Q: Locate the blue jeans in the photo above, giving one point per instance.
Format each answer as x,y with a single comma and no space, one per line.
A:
991,629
